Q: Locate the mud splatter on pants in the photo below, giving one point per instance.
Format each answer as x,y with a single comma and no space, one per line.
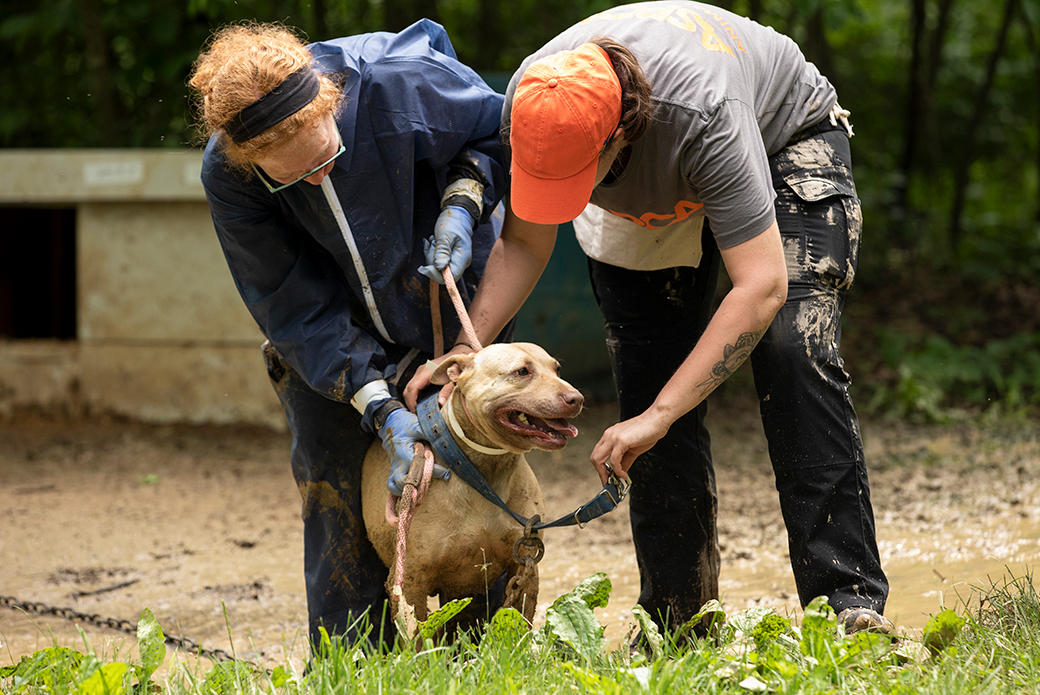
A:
344,576
653,320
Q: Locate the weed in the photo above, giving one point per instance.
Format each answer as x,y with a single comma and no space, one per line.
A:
992,650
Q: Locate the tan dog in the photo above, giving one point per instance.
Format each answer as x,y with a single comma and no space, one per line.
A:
507,397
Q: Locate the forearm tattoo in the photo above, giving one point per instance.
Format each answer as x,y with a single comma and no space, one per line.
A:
732,357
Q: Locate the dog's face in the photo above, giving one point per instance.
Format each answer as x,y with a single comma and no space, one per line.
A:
514,395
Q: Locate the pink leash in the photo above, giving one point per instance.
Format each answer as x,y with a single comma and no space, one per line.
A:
411,498
412,495
460,309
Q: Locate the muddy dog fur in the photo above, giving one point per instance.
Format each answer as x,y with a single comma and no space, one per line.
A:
507,396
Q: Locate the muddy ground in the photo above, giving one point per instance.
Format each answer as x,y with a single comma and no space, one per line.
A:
201,525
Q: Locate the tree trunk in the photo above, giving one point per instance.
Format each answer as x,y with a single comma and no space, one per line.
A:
1034,48
938,41
100,75
935,59
818,49
962,174
911,117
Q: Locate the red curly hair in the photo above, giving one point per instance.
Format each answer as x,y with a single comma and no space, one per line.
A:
242,63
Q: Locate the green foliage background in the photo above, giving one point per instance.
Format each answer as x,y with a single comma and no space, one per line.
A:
944,96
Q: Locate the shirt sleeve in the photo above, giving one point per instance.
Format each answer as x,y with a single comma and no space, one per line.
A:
291,286
726,162
454,114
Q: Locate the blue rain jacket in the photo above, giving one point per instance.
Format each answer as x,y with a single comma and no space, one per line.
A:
411,109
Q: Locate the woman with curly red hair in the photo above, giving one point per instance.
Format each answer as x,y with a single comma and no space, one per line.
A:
341,175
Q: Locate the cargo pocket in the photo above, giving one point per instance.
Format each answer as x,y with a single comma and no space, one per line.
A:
831,223
811,187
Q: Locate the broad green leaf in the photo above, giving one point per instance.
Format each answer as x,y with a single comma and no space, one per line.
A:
440,617
506,629
151,643
280,677
746,620
941,630
595,590
818,625
819,615
110,679
710,618
649,632
570,620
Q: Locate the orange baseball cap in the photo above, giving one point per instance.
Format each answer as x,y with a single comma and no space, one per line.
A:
564,109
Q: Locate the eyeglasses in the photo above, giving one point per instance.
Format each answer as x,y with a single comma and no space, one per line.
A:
275,189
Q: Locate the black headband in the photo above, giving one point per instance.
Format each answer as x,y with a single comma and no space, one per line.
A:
296,91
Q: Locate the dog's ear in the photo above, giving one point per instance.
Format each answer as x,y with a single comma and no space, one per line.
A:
451,369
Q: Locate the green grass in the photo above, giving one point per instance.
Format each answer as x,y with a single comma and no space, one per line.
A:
993,649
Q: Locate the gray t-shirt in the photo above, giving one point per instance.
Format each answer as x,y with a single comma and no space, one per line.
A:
727,92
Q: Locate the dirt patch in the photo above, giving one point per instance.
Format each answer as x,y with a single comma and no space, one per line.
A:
201,525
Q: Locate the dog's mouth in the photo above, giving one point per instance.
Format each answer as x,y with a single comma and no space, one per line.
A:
548,433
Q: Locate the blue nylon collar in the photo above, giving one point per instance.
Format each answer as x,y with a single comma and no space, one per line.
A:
444,445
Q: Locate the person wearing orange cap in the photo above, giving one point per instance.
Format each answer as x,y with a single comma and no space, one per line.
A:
677,136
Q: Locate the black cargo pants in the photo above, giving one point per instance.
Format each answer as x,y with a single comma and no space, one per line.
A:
345,579
653,320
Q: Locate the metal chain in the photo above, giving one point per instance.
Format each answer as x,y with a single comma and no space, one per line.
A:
113,624
528,551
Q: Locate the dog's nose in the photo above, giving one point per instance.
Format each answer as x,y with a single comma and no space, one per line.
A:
572,398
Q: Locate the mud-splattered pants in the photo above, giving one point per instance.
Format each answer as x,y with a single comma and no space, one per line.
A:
344,576
654,319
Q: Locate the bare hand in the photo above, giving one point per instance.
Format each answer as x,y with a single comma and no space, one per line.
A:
621,444
421,379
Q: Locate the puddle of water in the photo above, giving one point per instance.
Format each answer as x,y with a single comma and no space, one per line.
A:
929,572
920,591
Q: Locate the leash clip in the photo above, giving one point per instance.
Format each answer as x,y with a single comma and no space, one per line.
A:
622,485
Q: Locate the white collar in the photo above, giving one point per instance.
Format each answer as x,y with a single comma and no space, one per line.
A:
454,425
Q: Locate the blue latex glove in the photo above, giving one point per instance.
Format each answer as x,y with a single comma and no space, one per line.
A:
452,245
400,433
